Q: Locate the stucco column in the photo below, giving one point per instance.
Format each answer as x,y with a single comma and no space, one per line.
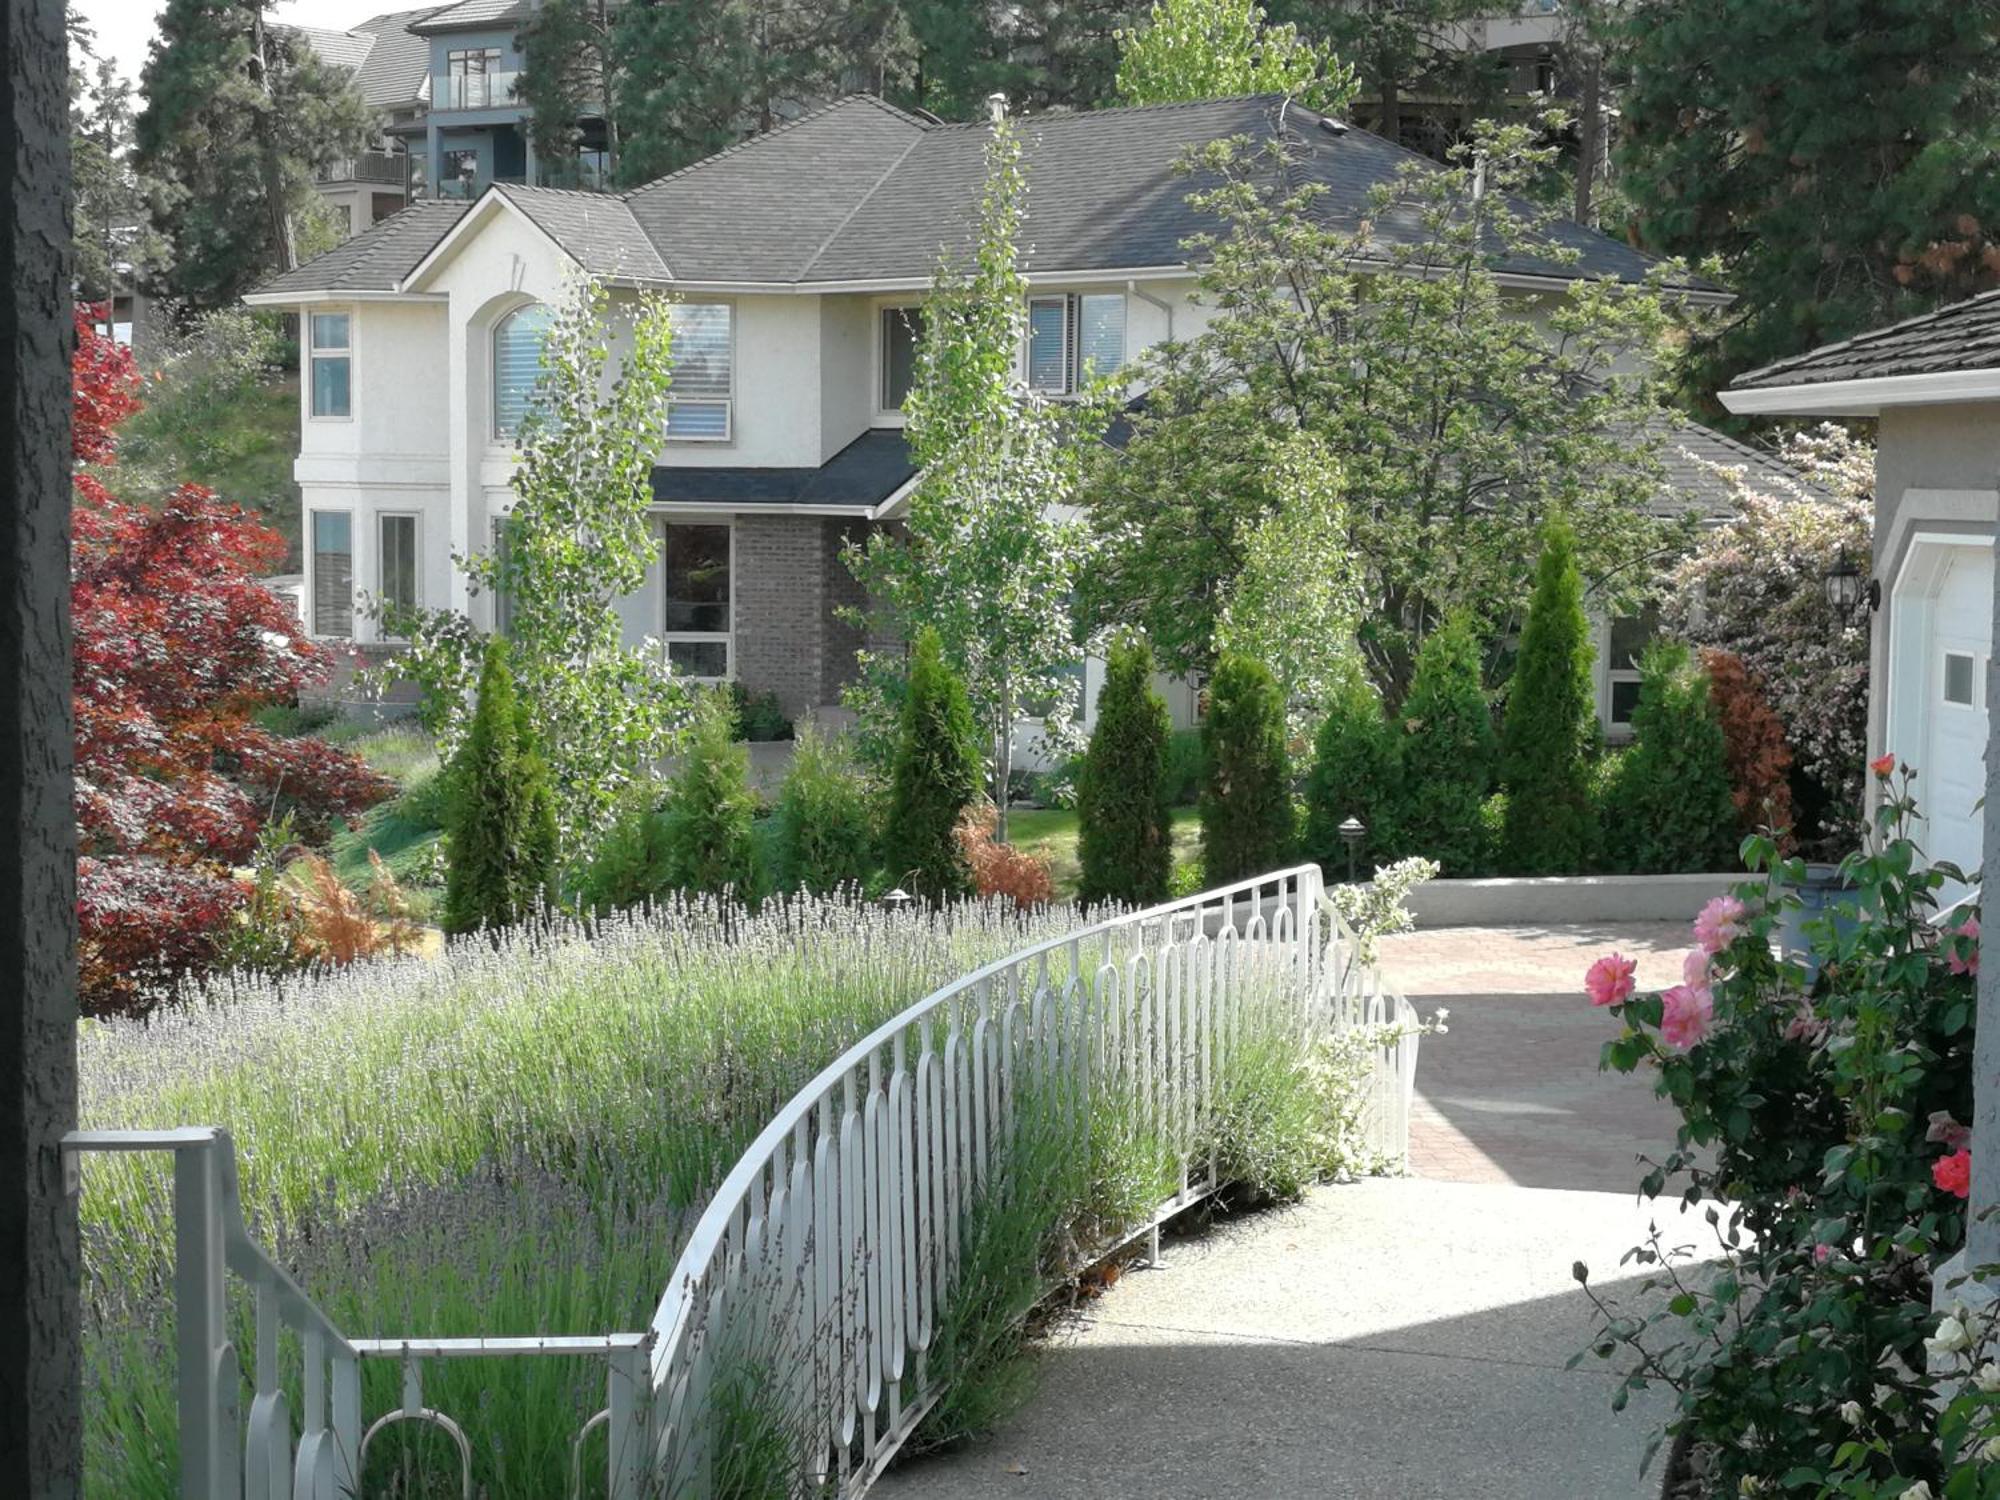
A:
1982,1235
464,492
40,1341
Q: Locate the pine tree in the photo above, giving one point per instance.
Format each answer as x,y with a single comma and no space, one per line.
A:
1353,775
1247,822
1125,839
1445,753
238,115
1840,160
935,777
501,821
1551,730
708,849
1670,809
113,240
824,818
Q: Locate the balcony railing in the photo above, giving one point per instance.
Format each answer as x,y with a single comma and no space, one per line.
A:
475,91
390,168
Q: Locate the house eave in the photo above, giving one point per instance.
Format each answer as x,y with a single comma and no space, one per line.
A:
1865,397
334,294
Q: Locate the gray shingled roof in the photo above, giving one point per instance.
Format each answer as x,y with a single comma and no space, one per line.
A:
340,49
1692,488
863,474
861,191
470,13
1964,336
1104,193
597,229
399,64
379,257
758,211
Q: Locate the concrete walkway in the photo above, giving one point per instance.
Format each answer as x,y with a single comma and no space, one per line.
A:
1395,1339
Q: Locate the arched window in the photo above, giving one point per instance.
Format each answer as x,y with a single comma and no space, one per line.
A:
517,365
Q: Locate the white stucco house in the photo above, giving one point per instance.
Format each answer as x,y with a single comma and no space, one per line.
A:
1933,386
797,259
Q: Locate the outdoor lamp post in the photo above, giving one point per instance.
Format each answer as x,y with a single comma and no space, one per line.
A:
897,899
1352,832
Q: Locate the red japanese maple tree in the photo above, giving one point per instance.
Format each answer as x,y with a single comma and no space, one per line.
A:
176,645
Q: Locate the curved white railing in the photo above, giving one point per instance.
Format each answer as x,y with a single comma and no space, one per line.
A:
814,1286
804,1311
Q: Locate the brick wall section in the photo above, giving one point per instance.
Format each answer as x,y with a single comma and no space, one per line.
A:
781,617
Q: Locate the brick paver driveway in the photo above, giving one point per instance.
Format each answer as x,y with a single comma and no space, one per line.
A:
1513,1094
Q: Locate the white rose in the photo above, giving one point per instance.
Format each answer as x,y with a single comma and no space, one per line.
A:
1921,1490
1949,1338
1991,1450
1850,1413
1987,1377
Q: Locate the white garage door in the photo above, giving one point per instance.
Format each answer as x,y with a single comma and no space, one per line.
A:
1953,768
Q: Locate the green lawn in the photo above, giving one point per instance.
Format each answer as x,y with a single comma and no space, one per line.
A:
404,830
1051,833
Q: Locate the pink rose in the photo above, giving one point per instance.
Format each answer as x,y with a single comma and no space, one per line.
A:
1822,1254
1883,764
1694,968
1686,1011
1718,924
1805,1025
1609,980
1953,1173
1964,962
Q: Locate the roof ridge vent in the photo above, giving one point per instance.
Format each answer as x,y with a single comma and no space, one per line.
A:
1332,126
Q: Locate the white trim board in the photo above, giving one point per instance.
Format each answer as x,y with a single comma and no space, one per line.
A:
1865,397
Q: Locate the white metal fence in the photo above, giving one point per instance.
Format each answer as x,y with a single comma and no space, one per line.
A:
804,1314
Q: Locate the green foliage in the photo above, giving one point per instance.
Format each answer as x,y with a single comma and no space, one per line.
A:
1185,771
1375,909
1551,730
1439,513
231,138
628,862
986,558
1296,601
825,824
706,834
1353,776
579,538
568,56
1041,54
1838,161
1247,822
1820,1077
1670,809
1126,845
934,779
759,716
1446,753
502,845
1401,47
114,242
686,79
1217,49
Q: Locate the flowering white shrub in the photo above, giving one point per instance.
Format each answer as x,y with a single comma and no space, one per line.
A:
1376,909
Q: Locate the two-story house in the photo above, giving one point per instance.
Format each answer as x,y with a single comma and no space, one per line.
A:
442,80
798,259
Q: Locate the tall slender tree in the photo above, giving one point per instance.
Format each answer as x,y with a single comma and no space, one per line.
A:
570,68
115,239
1125,838
1551,728
238,116
1212,49
988,557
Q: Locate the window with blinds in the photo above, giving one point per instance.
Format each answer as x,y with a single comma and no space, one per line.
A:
517,365
698,406
1075,339
333,572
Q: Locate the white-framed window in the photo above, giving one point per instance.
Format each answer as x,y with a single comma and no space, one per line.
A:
1629,636
1073,339
333,572
902,328
396,575
699,401
1959,675
517,365
331,335
698,619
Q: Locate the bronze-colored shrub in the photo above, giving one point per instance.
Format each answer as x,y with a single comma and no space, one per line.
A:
1001,869
1757,755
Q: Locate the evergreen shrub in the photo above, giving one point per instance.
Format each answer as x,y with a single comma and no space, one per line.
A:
1125,840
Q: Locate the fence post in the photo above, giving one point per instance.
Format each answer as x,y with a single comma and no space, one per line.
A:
209,1378
630,1382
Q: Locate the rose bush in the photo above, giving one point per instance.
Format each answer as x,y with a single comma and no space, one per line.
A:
1819,1096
